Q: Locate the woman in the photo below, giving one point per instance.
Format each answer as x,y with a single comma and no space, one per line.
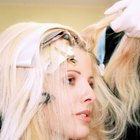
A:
46,92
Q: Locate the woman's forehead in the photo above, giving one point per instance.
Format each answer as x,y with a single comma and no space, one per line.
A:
83,62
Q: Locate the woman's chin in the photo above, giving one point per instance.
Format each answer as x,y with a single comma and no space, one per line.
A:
80,133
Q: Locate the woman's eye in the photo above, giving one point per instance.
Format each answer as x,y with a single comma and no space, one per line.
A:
70,80
91,85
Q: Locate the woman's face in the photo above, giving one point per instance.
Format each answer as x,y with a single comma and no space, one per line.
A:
70,111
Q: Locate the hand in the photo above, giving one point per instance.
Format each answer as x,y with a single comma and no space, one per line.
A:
129,18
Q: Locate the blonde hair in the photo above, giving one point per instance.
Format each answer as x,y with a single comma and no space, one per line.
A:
92,35
122,73
23,114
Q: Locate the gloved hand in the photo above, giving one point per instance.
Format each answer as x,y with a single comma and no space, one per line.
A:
129,18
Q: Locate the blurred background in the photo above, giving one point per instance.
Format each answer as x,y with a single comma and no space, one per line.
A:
75,13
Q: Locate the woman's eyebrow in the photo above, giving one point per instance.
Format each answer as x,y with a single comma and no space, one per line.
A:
91,77
78,72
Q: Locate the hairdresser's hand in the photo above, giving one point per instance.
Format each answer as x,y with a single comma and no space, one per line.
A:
129,19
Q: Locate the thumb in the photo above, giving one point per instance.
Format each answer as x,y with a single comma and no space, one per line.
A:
116,25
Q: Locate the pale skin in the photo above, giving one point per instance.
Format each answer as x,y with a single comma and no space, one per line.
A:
72,107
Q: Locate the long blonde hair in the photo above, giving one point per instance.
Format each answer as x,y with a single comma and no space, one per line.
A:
123,75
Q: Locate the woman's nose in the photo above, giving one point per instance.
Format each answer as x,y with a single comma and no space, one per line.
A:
88,95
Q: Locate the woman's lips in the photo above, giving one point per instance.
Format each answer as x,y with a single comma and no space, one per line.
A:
84,116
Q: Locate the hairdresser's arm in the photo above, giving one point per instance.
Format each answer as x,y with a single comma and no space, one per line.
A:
129,19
